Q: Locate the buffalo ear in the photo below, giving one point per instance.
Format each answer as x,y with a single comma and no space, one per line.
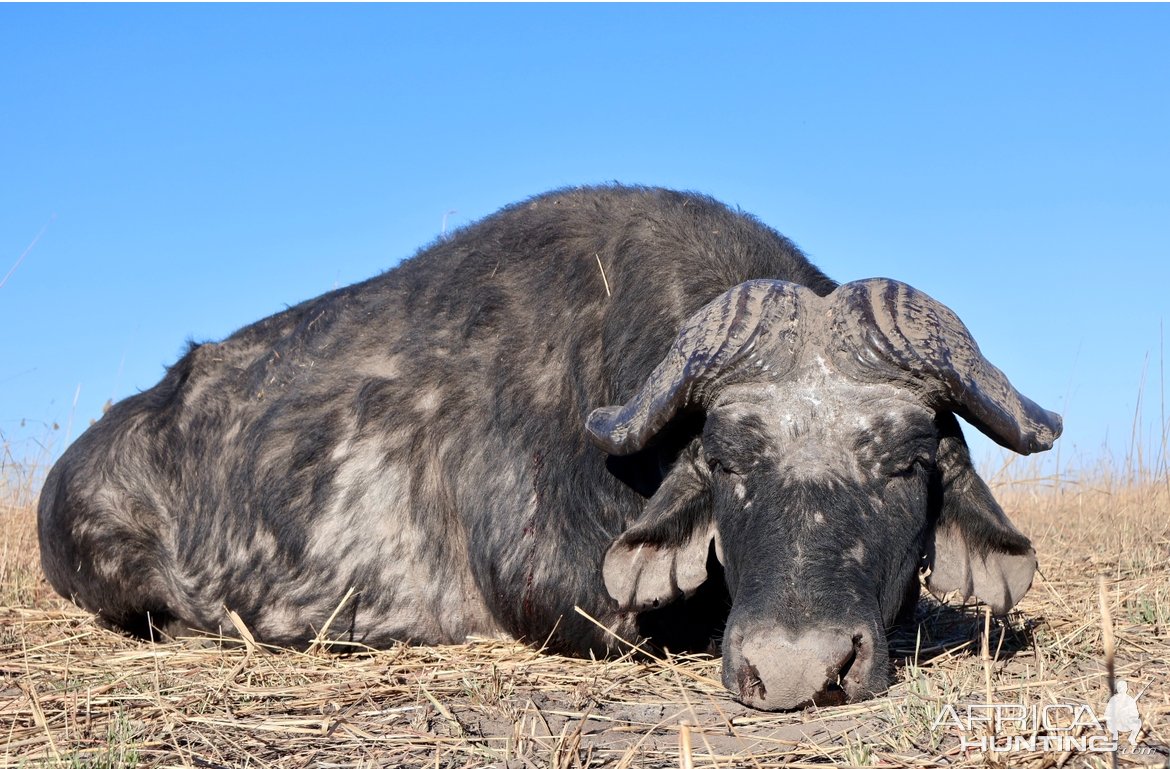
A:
663,555
974,550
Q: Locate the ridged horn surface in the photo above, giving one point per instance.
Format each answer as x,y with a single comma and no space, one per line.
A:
890,329
754,323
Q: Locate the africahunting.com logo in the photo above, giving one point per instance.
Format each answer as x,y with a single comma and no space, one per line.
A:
1057,727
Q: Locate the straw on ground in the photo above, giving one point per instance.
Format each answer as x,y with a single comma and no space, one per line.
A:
74,694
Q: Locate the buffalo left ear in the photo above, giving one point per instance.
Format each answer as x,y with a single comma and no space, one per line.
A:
663,555
974,550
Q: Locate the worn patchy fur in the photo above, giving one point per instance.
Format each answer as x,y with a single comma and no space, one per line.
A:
417,441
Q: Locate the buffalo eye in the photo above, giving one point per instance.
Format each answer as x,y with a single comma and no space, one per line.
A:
717,465
912,467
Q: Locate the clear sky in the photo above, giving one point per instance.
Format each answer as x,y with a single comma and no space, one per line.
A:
186,170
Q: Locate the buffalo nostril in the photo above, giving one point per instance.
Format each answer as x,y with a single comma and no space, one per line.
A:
775,668
834,691
751,686
847,663
833,694
861,661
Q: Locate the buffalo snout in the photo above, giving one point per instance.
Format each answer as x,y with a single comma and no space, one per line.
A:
774,668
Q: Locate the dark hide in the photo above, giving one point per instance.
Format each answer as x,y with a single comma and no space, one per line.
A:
416,442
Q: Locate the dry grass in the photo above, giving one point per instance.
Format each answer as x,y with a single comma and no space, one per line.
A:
72,694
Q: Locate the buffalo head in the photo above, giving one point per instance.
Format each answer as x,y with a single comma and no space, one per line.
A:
829,471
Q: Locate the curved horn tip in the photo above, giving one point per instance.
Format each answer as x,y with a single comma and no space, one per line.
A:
606,432
1049,427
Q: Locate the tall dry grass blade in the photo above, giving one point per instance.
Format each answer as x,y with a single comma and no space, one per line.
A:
685,759
40,720
1137,465
632,647
604,279
28,249
1164,465
1107,635
985,656
442,710
321,640
245,634
1108,644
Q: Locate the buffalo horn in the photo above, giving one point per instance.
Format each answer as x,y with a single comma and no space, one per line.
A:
891,329
756,316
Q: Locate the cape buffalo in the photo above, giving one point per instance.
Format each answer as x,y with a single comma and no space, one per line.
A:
631,401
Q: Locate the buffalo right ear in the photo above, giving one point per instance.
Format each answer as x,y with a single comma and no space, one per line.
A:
974,550
663,555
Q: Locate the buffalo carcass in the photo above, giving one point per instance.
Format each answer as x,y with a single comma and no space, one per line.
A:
628,400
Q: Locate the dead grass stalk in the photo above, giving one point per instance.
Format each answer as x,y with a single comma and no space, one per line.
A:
73,694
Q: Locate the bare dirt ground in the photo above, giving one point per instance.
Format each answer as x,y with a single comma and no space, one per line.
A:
73,694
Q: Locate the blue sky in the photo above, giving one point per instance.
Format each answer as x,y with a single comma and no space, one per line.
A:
195,168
